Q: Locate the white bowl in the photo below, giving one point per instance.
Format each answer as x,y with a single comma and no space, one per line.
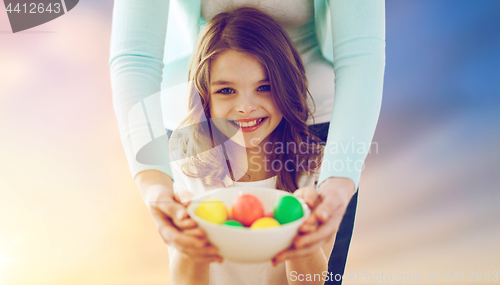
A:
247,245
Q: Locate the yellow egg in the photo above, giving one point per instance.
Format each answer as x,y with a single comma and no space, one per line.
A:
212,210
265,222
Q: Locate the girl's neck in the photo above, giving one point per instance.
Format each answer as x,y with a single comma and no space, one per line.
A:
249,164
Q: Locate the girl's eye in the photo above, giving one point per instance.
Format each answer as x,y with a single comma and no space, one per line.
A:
226,91
264,88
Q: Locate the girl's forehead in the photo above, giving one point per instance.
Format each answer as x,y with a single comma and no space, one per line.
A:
235,66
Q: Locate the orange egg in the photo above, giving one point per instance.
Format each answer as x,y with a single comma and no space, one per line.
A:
247,209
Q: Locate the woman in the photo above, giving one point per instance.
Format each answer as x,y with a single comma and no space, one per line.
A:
357,50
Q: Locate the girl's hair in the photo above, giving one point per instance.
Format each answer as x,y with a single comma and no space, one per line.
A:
252,32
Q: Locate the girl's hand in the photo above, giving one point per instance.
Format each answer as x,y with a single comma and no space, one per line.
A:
203,252
328,206
171,218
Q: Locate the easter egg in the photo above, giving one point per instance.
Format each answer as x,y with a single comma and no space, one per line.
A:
288,209
265,222
233,223
212,210
247,209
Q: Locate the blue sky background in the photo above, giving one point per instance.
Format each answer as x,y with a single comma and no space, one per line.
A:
428,199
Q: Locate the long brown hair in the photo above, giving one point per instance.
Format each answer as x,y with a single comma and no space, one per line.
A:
252,32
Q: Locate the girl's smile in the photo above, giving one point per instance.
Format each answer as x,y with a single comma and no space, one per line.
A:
248,125
241,95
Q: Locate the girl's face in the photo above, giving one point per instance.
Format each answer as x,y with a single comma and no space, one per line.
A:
240,94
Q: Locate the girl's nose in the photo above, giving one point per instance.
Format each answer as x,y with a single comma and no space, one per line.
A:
246,104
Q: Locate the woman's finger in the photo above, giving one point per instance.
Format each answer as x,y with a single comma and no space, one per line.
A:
309,195
327,208
335,195
185,196
328,214
294,253
174,237
184,223
197,232
310,223
172,209
318,237
308,227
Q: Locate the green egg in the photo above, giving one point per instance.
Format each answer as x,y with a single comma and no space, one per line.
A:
233,223
288,209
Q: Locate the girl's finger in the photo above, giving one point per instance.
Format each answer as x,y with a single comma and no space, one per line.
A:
308,194
192,252
208,258
198,257
209,251
298,192
311,197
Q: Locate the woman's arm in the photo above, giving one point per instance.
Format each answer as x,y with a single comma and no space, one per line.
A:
359,60
136,62
358,28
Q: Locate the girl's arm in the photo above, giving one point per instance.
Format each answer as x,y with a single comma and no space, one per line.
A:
190,264
358,29
308,270
183,270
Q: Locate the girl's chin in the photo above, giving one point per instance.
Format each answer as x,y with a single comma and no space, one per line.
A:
247,143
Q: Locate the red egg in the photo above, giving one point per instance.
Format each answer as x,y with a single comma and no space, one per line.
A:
247,209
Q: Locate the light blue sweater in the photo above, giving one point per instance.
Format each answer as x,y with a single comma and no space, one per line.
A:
351,35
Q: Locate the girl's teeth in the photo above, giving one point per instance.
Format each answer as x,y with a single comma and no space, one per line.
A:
248,124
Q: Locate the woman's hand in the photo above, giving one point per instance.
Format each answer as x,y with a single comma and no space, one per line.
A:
171,218
328,206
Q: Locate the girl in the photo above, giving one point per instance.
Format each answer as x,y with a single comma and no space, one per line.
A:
247,125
